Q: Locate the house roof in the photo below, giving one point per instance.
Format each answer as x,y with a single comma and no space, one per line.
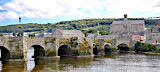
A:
92,35
129,21
71,32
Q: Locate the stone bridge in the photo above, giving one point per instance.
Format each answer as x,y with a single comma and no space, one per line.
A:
15,48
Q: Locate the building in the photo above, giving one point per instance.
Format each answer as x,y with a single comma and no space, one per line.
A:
138,38
127,25
65,33
97,35
126,28
153,35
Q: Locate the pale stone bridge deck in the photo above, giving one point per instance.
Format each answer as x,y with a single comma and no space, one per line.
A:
15,48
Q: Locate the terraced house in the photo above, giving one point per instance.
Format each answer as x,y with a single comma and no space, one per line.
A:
153,35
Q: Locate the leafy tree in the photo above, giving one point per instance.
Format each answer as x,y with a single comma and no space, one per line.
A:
1,34
107,33
18,34
152,48
14,34
92,31
85,33
102,32
19,26
137,46
147,45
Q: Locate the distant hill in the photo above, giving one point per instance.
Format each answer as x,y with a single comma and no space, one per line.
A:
84,24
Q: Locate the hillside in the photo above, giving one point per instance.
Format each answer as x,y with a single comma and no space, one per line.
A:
84,24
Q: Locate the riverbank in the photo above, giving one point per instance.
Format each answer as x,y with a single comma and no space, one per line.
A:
151,53
156,53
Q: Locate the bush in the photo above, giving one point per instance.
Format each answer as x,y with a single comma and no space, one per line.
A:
1,34
137,47
103,33
152,48
144,47
85,33
18,34
31,35
14,34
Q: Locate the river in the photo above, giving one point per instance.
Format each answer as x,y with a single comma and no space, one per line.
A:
114,63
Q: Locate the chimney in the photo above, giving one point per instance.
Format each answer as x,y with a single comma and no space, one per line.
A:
156,25
125,20
125,15
19,20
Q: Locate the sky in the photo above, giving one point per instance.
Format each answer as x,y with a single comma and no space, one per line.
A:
52,11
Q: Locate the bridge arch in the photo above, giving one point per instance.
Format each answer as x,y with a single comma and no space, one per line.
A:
64,50
39,51
122,41
5,53
107,48
123,47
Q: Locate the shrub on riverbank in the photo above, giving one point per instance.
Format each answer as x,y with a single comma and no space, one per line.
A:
144,47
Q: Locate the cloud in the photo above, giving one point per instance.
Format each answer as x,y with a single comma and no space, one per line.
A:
12,7
132,7
51,8
8,15
1,8
81,8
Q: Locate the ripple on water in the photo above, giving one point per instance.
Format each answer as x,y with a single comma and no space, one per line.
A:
116,63
123,63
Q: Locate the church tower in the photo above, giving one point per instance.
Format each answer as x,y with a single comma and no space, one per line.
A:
126,24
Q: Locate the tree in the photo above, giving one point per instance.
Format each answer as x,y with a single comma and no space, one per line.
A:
19,26
18,34
31,35
107,33
102,33
14,34
92,31
137,46
147,45
1,34
152,48
85,33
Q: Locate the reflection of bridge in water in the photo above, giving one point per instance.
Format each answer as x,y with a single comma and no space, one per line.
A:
15,48
43,65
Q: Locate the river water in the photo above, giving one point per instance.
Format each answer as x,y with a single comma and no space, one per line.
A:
113,63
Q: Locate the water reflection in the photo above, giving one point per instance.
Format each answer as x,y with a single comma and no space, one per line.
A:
13,67
0,65
0,53
0,61
114,63
30,62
